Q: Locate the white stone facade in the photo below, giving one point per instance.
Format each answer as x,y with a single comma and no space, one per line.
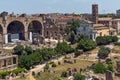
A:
86,28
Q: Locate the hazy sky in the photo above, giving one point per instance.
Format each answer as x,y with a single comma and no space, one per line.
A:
54,6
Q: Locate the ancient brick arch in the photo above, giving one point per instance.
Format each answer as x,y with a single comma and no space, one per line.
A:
35,26
10,20
25,22
15,29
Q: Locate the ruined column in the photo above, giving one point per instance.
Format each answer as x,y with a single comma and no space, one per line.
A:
30,36
26,33
6,38
109,75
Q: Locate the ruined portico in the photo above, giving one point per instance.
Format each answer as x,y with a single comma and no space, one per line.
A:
9,25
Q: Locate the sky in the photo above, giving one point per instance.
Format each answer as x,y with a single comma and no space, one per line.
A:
57,6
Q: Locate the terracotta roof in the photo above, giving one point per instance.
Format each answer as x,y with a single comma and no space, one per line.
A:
104,19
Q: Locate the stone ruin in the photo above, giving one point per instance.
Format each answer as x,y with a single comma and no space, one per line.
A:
109,75
117,68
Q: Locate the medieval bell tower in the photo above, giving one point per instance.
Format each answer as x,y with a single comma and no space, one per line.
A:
95,13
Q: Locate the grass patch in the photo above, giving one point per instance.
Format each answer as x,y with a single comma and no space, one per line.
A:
94,51
116,49
63,67
74,45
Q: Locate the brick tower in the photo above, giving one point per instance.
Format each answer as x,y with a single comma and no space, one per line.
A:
95,13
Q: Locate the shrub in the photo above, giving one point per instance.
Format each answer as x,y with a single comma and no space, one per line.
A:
54,65
117,43
63,48
78,76
114,38
110,67
77,53
28,49
16,71
3,74
103,52
18,49
64,74
46,68
99,68
103,40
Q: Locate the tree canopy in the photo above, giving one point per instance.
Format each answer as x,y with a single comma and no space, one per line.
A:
78,76
103,52
86,44
103,40
99,68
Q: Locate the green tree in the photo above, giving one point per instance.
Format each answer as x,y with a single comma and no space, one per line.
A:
36,58
18,49
103,40
86,44
64,74
103,52
78,76
110,67
25,62
99,68
77,53
73,25
63,48
28,49
67,30
72,38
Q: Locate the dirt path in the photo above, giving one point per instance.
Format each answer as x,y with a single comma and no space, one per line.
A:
30,77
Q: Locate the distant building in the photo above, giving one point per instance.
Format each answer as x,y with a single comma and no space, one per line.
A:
86,28
116,25
105,21
92,30
101,29
118,13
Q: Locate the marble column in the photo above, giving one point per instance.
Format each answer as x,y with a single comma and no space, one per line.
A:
30,36
6,38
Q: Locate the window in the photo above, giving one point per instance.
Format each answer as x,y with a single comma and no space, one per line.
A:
84,28
14,60
90,36
47,33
